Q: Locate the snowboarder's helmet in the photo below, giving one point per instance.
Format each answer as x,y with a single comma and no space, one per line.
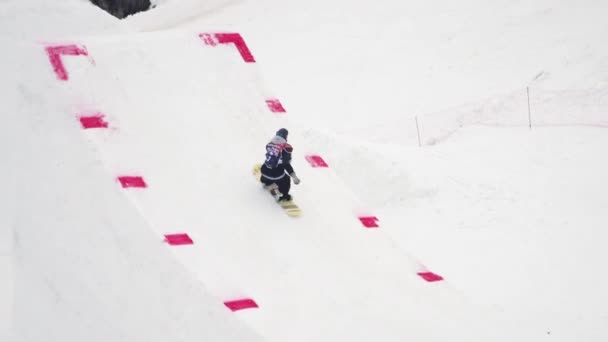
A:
283,133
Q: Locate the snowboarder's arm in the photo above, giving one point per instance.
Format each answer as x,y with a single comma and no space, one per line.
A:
286,158
287,162
286,153
289,169
292,173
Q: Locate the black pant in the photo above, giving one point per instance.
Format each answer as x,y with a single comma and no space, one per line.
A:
284,183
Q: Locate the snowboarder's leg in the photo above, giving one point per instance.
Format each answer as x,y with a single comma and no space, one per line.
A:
284,186
271,186
274,191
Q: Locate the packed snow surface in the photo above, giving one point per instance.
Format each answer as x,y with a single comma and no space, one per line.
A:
474,131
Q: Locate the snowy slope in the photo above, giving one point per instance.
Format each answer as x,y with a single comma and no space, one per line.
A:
77,262
517,223
82,261
89,263
177,110
505,211
323,271
501,225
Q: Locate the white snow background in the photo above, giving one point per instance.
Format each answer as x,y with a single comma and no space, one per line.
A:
421,110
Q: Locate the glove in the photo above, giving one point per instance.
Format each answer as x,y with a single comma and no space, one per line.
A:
295,178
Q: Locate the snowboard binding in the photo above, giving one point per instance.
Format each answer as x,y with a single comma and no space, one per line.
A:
274,191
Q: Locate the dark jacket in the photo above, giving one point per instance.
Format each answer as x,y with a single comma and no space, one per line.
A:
283,166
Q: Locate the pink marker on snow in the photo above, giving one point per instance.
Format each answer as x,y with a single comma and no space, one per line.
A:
241,304
316,161
369,221
132,182
178,239
430,276
213,39
275,106
55,53
93,121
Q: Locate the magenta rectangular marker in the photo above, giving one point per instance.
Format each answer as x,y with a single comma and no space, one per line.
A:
178,239
369,221
93,121
212,39
316,161
275,106
132,182
241,304
55,53
430,276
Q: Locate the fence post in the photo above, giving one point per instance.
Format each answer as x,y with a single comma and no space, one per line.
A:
529,113
418,131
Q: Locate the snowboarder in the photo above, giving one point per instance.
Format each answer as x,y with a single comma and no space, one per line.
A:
277,171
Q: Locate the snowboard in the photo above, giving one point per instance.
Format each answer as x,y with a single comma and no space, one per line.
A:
290,207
